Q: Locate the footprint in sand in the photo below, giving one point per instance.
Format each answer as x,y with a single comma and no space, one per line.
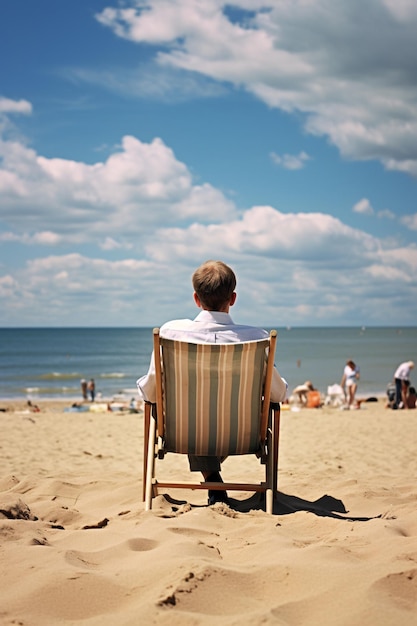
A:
91,560
81,559
192,532
243,594
141,544
398,589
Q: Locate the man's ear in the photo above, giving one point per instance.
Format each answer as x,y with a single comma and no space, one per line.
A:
233,298
197,300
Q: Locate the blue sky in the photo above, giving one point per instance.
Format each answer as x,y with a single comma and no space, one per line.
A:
140,138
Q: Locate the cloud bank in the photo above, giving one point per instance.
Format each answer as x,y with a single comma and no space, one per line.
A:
342,65
115,264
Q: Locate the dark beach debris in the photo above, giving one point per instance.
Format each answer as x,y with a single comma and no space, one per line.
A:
14,508
101,524
168,601
40,541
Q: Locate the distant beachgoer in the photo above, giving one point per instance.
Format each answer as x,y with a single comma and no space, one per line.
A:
92,389
133,406
401,377
349,384
84,388
33,407
390,395
302,392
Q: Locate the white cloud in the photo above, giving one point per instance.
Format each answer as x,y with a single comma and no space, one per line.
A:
403,10
290,161
410,221
300,268
349,67
138,186
44,238
409,166
364,207
386,214
74,288
8,106
312,238
8,287
111,244
150,81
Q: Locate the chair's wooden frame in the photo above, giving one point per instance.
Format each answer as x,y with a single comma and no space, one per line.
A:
154,426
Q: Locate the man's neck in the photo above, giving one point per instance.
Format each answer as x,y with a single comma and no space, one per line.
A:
222,310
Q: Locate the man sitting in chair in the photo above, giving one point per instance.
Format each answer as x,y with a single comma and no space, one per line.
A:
214,292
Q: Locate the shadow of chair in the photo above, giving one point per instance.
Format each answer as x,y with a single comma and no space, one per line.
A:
212,400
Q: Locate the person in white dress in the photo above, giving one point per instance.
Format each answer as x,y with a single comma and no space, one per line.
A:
349,383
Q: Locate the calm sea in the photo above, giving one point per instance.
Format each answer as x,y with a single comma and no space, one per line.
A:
49,362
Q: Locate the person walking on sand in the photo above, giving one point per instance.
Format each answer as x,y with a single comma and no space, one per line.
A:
349,383
214,292
401,377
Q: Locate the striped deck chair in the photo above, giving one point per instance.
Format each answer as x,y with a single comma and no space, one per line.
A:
212,400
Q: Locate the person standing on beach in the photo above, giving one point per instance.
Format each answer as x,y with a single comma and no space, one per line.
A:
84,388
349,384
401,378
92,389
214,292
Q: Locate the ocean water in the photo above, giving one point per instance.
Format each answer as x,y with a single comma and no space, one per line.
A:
50,362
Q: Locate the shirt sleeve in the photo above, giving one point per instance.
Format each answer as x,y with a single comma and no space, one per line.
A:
279,387
146,384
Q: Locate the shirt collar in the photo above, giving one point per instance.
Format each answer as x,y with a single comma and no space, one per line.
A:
214,316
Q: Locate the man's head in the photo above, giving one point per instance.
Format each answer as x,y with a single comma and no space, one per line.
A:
214,285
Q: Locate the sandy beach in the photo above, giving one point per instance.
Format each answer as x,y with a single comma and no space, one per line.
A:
77,546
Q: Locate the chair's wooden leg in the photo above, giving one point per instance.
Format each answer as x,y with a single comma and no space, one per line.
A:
269,502
146,422
150,465
269,469
276,422
272,460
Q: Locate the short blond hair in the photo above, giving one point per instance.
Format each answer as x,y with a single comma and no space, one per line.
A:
214,283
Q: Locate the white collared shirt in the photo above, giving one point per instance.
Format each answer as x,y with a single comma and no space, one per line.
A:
209,327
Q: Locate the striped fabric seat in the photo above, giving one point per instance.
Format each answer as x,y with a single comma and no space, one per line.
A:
212,396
